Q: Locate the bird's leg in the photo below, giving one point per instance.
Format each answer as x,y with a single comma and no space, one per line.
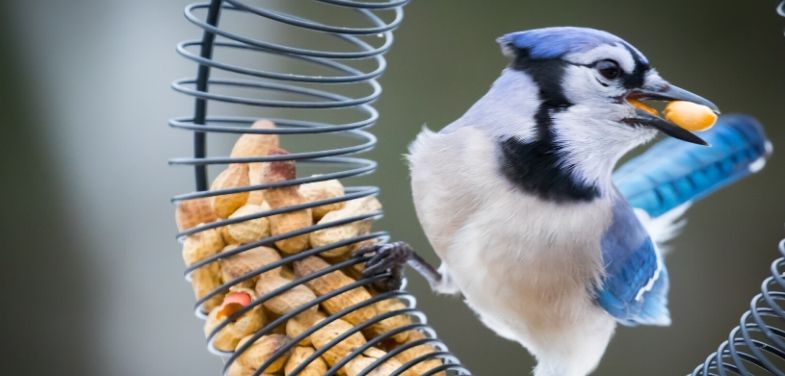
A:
392,257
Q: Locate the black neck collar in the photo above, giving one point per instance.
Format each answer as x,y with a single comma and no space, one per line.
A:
537,167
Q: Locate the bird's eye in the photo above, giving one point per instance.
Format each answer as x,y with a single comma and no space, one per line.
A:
608,69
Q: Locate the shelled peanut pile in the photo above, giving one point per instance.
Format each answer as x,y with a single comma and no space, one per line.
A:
239,266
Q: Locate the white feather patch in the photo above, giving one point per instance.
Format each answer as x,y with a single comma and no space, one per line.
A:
666,227
650,284
757,165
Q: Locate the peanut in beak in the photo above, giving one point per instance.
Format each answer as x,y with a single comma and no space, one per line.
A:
690,116
643,106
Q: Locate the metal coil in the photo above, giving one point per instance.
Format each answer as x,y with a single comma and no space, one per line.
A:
781,9
757,345
307,94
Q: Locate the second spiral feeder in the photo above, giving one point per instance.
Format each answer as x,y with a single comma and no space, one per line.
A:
269,244
757,345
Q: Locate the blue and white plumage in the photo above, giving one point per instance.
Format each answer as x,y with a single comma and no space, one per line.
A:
634,290
555,42
519,200
671,175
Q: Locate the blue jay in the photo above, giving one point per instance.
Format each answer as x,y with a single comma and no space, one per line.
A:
518,197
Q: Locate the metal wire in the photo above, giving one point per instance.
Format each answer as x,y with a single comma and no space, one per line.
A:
304,92
781,9
757,345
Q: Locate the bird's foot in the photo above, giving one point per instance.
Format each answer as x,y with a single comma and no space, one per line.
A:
388,258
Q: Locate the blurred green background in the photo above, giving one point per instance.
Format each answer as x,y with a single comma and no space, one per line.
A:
92,276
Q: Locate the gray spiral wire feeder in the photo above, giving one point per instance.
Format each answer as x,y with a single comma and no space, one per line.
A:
781,9
756,346
313,95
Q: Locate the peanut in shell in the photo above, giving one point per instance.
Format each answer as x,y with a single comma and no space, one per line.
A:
202,245
355,366
317,367
333,234
323,190
391,323
204,280
332,281
330,331
246,262
247,231
288,300
256,145
230,335
412,353
190,213
250,360
234,176
283,197
302,322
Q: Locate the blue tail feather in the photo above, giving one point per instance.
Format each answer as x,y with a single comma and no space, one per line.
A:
673,172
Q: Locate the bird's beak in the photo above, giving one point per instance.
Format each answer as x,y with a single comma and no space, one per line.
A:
661,90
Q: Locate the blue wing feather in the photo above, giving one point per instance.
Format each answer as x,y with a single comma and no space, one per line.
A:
635,287
674,172
671,173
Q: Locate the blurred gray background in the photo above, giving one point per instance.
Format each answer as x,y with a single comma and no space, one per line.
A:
92,276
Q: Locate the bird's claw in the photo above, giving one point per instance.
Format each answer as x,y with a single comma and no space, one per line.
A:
388,258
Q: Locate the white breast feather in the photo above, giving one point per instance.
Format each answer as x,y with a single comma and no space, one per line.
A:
525,265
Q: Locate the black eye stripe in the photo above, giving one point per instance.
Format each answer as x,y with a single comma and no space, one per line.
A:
628,80
637,77
612,70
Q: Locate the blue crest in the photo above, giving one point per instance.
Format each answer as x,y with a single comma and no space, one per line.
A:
555,42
